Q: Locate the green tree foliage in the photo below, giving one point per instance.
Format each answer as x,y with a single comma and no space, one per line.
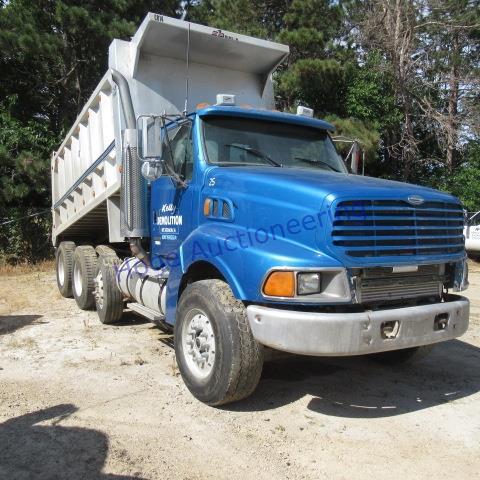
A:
354,129
430,52
465,182
316,83
316,72
24,184
241,16
23,150
450,37
370,94
52,53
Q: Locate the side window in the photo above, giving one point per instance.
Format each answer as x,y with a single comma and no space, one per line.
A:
180,149
475,221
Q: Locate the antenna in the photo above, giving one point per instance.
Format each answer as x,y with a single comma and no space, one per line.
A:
185,111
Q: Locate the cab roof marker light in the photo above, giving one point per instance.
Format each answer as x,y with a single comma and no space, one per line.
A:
225,99
304,111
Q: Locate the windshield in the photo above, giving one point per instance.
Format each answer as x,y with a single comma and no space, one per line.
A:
231,141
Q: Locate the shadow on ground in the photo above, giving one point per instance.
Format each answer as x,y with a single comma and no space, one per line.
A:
357,387
131,318
52,451
10,323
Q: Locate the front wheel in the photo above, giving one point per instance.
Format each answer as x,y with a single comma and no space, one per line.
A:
219,360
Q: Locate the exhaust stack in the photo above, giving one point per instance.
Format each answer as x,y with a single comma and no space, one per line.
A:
133,196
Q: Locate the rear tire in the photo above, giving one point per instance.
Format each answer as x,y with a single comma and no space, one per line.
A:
64,268
399,357
108,298
219,360
84,266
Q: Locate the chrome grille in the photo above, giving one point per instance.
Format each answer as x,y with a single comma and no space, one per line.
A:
381,228
382,284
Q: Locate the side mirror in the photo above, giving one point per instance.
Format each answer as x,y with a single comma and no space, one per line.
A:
355,162
150,143
149,128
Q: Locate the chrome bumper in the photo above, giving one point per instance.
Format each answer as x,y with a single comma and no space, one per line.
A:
337,334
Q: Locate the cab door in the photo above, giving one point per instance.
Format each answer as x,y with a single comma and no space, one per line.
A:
171,203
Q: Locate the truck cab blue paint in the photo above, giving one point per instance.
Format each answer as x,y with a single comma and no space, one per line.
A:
282,217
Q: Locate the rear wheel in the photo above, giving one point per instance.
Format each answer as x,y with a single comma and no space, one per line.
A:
108,298
406,355
64,267
218,357
84,266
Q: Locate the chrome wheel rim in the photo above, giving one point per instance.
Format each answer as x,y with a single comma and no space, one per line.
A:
98,290
77,279
198,344
61,271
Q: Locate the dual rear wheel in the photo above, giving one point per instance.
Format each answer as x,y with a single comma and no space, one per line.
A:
88,275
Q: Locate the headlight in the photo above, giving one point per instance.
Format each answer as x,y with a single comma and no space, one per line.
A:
308,283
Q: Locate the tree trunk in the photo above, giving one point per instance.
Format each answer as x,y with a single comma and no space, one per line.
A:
452,134
409,146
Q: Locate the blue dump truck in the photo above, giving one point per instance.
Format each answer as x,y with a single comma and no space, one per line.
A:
181,194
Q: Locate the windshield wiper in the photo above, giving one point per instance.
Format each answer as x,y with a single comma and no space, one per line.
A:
310,160
255,152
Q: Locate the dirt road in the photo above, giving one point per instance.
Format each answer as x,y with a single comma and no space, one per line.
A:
79,400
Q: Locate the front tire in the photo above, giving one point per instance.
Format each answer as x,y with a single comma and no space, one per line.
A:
219,360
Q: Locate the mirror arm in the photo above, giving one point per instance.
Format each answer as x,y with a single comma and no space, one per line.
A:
174,176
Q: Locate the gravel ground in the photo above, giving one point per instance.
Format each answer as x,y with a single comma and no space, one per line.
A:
79,400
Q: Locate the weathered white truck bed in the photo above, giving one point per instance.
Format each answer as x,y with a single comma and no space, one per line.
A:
84,169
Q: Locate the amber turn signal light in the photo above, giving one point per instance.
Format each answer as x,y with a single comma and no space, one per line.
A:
206,207
280,284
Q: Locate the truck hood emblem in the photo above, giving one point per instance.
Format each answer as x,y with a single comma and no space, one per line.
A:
415,199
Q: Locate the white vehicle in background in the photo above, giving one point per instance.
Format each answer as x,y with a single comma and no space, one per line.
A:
472,236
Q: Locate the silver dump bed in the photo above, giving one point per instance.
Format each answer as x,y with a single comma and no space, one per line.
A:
86,169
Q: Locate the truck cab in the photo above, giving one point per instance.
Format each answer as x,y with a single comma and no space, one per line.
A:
246,230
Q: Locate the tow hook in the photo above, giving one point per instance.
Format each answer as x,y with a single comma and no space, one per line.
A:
441,321
390,329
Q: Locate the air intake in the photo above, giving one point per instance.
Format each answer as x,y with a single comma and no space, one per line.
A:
395,228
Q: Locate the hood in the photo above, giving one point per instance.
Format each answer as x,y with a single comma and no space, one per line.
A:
304,206
294,185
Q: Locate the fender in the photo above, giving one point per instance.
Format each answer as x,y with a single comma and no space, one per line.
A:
242,259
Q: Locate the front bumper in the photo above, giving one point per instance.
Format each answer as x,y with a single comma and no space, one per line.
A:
337,334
